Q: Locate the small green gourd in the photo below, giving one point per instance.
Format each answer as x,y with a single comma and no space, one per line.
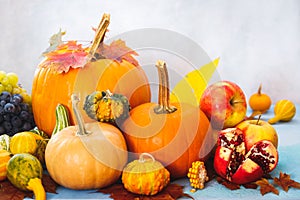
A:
107,107
62,118
25,172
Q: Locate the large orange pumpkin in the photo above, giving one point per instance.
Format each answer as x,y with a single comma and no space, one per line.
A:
74,69
88,156
175,135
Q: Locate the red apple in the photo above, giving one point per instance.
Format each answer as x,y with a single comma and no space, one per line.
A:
256,130
224,103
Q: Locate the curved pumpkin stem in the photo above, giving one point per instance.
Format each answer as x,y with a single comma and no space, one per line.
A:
78,117
163,94
142,159
259,89
100,33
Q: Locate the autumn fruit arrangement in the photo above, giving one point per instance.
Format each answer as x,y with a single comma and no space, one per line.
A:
101,129
246,149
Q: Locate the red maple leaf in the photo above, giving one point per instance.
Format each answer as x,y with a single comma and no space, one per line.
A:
65,56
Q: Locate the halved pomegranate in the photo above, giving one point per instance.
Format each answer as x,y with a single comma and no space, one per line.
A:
233,163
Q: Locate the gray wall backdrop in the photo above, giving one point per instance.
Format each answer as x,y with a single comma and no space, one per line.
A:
258,41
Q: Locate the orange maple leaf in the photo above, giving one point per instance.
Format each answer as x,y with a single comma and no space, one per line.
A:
65,56
117,51
266,187
285,182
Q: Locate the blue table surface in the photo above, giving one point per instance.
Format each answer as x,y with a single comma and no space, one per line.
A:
289,162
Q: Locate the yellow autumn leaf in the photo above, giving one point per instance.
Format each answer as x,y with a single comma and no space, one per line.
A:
190,88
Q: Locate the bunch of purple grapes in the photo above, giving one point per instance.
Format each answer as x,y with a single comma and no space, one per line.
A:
15,114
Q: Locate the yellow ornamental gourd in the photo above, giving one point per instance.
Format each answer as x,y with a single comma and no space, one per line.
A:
284,110
145,176
23,142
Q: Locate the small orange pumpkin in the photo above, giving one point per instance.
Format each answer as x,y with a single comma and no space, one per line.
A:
88,157
70,68
176,135
145,176
260,101
4,158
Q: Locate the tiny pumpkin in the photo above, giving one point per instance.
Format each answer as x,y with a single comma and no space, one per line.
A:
260,101
87,156
175,134
145,176
71,68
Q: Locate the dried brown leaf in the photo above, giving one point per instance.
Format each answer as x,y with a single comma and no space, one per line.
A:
250,186
10,192
285,182
227,184
266,187
118,192
49,184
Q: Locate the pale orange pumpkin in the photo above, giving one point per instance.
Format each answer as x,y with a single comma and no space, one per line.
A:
176,135
74,69
89,156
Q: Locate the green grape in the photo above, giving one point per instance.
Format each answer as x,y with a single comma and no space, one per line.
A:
2,88
5,81
16,90
13,78
26,98
2,75
8,88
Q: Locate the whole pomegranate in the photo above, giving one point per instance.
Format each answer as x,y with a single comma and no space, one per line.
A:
239,166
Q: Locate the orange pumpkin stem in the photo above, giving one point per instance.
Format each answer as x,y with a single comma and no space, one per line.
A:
259,90
81,128
163,94
100,33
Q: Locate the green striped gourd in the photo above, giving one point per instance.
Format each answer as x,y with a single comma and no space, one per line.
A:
25,172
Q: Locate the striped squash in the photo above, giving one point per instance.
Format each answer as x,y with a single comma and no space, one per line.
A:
23,142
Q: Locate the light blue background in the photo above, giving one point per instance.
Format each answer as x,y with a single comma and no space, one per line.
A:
257,40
